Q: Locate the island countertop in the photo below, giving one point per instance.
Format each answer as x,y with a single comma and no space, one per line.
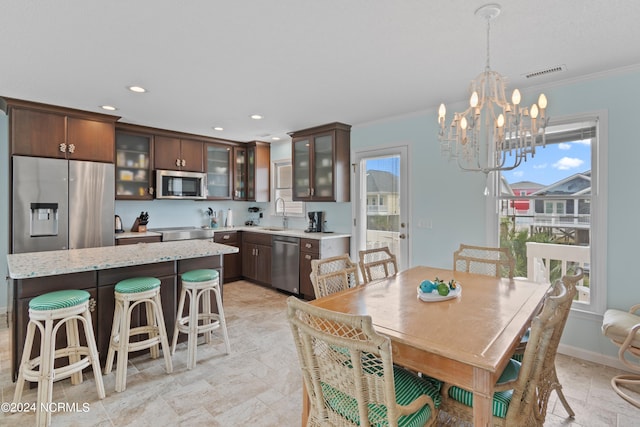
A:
51,263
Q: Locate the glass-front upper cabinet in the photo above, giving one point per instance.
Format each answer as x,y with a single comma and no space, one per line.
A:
133,166
320,159
218,168
240,173
301,169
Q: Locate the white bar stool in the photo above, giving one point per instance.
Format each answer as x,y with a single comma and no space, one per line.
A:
48,312
129,293
198,284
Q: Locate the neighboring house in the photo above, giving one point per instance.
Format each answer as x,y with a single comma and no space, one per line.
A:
523,188
382,193
570,215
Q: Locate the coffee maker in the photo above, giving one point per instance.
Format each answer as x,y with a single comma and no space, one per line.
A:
316,222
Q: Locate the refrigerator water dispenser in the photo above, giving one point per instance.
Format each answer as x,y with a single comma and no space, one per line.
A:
44,219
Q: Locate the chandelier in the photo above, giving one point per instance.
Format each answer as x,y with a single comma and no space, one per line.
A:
492,134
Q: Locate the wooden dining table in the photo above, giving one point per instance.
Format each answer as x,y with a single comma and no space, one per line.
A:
465,341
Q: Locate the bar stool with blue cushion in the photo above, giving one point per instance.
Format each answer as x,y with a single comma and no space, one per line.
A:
129,293
198,284
48,313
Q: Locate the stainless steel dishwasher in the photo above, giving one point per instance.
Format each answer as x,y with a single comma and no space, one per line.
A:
285,264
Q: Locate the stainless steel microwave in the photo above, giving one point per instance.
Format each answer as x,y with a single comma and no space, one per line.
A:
180,185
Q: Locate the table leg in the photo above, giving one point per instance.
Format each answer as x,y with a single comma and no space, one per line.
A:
482,397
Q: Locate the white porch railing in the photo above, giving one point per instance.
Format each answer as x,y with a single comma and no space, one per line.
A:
546,252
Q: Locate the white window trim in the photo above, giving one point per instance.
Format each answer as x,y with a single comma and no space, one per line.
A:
599,205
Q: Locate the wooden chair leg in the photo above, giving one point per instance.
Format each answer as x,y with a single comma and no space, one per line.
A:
618,381
162,330
192,340
115,330
123,347
153,332
45,383
26,355
73,341
93,354
174,340
221,319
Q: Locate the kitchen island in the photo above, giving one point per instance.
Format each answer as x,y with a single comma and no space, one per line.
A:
97,270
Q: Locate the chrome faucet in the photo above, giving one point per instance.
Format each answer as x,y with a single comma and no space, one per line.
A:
285,220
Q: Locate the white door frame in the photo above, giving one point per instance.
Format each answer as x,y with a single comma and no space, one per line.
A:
359,201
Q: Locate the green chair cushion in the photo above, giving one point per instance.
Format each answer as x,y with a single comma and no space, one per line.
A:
59,299
137,284
408,388
501,399
203,275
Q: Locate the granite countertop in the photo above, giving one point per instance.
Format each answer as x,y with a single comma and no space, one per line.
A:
256,229
51,263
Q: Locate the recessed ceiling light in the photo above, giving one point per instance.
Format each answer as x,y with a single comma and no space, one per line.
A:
256,116
218,128
275,138
137,89
108,107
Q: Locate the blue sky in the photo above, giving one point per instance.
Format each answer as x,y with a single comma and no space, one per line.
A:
553,163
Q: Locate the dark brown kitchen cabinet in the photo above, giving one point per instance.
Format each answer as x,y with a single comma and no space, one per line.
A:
217,160
321,163
172,153
232,262
311,249
251,168
256,257
258,169
134,172
240,173
47,131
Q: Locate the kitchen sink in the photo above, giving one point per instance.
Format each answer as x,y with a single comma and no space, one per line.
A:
271,228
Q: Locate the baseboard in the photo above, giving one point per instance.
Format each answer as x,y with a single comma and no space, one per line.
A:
591,356
3,310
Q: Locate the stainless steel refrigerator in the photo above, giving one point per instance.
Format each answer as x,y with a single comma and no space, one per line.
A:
61,204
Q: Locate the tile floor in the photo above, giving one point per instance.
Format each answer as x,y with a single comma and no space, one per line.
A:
258,384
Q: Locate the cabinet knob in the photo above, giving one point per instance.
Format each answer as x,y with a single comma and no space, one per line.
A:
307,245
71,148
63,147
312,191
308,257
184,162
178,162
151,190
92,304
402,236
226,237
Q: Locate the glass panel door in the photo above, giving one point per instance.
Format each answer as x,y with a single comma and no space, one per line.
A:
218,172
301,174
323,166
381,218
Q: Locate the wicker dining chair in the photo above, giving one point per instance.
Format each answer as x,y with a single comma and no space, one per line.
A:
522,392
377,264
623,329
349,375
489,261
334,274
570,282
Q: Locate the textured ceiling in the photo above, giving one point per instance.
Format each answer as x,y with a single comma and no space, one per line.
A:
300,63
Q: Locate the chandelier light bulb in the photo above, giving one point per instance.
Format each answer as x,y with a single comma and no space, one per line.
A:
442,111
534,111
500,121
474,99
542,101
515,98
463,123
